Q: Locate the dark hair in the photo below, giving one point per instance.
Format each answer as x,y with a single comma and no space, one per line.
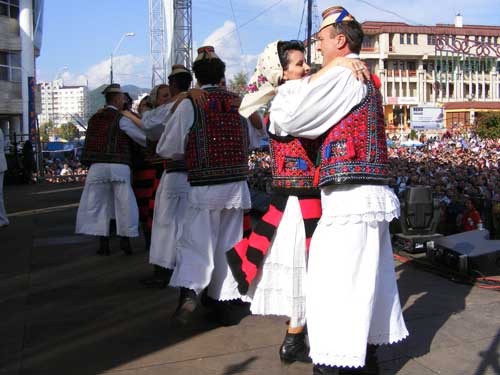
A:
209,71
182,81
353,33
289,45
110,96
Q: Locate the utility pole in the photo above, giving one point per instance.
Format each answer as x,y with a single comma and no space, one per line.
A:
309,29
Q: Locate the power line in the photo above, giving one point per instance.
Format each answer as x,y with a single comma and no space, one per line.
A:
301,18
265,10
390,12
238,33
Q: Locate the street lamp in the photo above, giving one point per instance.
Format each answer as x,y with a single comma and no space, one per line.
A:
114,52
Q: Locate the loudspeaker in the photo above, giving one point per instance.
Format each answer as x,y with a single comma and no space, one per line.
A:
467,252
419,211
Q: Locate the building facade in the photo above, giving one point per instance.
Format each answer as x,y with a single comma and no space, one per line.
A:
20,43
452,66
62,104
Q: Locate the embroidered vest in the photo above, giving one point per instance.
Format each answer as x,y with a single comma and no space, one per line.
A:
293,164
150,155
217,143
105,142
355,150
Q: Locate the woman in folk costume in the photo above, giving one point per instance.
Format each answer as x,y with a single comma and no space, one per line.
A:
351,252
280,241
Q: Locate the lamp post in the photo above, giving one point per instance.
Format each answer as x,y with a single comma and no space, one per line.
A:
114,52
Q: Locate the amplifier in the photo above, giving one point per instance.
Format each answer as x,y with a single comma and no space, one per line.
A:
467,252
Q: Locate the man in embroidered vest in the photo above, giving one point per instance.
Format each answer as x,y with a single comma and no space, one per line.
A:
213,140
350,250
108,192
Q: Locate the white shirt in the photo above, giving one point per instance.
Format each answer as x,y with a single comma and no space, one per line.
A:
172,145
308,109
136,134
153,121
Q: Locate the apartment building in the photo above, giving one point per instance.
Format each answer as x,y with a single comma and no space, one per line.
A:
20,44
62,104
454,66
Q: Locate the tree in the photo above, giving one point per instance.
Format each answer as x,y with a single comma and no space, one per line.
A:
239,83
488,125
69,131
46,130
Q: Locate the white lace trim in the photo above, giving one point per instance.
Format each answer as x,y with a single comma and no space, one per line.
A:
366,217
355,361
106,180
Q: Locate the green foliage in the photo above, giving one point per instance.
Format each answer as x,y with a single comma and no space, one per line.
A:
413,134
46,130
488,125
69,131
239,83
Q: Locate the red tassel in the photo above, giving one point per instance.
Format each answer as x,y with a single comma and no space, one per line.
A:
376,81
316,176
351,151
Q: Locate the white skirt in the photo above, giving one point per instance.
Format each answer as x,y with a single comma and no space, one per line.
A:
352,295
108,195
170,207
279,288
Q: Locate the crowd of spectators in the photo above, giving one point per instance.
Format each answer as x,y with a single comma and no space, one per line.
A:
64,170
463,172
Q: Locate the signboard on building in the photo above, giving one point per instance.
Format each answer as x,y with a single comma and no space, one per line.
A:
402,100
423,118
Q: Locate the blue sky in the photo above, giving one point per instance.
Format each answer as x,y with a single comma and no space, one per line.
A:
79,35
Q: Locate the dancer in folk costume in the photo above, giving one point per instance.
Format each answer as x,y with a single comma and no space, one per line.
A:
169,201
351,249
270,264
108,192
213,140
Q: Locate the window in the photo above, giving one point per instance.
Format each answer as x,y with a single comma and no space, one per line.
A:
408,38
401,38
415,39
9,8
10,65
431,39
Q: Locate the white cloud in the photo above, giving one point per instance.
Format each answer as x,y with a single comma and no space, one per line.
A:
127,69
227,47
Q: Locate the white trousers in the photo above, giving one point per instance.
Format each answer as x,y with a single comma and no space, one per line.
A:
103,201
352,295
279,288
170,207
201,263
3,214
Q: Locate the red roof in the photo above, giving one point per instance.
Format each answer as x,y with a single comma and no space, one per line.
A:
375,27
472,105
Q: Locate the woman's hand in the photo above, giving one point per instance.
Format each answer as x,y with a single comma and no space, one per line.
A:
358,68
199,96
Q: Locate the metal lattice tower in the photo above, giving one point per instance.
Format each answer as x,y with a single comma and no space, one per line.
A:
157,27
183,33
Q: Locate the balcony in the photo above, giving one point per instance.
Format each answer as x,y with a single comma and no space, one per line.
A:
401,73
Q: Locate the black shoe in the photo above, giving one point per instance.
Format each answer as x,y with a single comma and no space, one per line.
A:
325,370
188,304
125,245
294,348
103,246
370,367
229,313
